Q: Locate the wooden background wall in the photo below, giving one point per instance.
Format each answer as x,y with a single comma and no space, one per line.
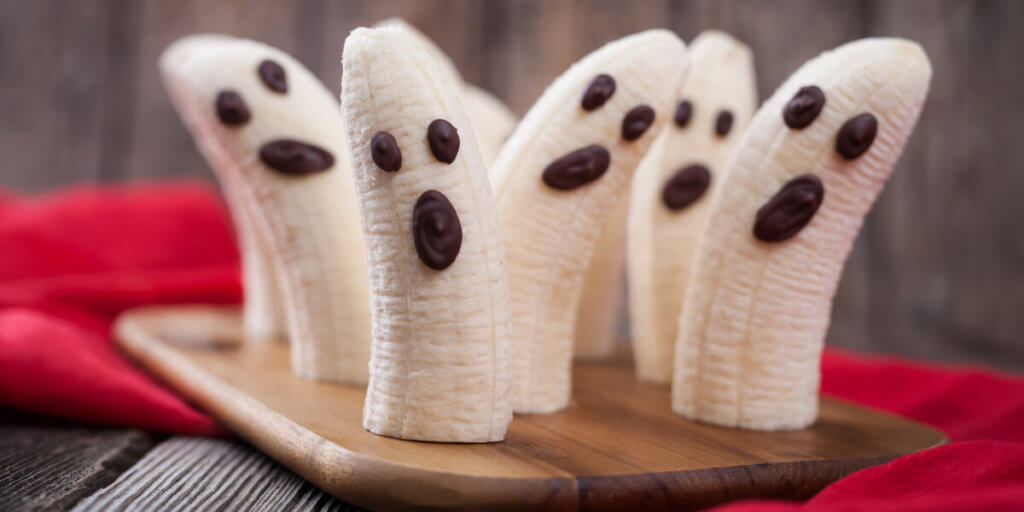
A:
938,271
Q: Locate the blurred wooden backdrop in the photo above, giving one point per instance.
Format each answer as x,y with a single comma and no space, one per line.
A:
938,271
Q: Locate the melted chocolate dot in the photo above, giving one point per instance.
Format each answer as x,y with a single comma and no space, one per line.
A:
289,156
273,76
577,168
723,123
804,107
385,152
856,136
231,108
686,186
637,121
436,230
444,140
598,91
790,209
683,113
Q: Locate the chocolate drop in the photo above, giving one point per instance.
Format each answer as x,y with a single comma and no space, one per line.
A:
856,136
273,76
443,139
637,121
723,123
289,156
231,108
436,230
804,107
598,91
577,168
683,113
686,186
790,209
385,152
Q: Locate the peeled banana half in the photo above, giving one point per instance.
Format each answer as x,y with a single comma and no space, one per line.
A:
274,136
440,366
811,163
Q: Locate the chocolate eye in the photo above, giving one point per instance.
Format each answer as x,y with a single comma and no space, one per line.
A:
231,108
723,123
385,152
598,91
804,107
637,121
790,209
444,140
273,76
683,113
856,136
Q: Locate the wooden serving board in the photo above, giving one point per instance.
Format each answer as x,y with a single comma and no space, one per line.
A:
618,447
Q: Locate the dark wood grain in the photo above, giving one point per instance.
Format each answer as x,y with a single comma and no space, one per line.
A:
617,446
938,271
185,473
48,466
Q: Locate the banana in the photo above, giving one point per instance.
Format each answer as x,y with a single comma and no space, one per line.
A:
439,367
601,300
491,120
556,180
273,134
672,191
813,160
263,311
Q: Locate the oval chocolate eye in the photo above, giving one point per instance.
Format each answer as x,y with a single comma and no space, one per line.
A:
385,152
577,168
637,121
683,113
723,123
856,136
686,186
436,230
598,91
273,76
444,140
289,156
790,209
231,108
804,107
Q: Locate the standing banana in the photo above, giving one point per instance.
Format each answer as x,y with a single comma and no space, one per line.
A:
601,300
564,169
672,193
273,134
440,367
812,161
491,120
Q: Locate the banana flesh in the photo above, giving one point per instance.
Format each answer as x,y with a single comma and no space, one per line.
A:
813,160
439,367
556,180
274,136
662,236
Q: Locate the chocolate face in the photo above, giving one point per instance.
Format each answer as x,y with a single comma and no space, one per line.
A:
856,136
289,156
723,123
436,230
444,140
683,113
790,209
273,76
637,121
577,168
685,186
385,152
231,108
598,91
804,107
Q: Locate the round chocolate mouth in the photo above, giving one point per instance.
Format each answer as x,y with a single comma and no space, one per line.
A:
790,209
436,230
686,186
577,168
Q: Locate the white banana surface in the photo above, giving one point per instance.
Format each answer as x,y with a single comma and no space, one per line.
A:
492,120
238,97
602,300
756,312
557,180
440,366
662,239
263,309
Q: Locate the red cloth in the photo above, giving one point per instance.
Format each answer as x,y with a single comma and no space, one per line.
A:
70,261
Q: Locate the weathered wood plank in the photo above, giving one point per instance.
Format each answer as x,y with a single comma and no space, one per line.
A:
45,466
186,473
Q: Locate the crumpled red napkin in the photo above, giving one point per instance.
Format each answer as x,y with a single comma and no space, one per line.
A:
72,260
